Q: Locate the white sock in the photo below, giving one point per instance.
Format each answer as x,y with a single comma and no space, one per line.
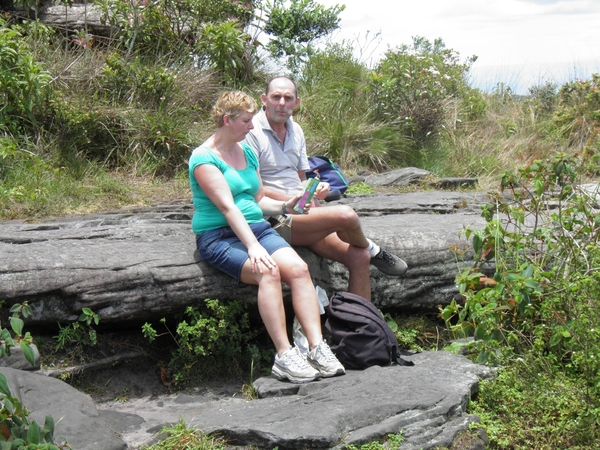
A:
373,247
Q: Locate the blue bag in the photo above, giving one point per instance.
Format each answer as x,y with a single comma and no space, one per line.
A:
329,172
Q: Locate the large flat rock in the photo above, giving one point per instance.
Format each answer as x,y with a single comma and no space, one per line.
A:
426,403
140,264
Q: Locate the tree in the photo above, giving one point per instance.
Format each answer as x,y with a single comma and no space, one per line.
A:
294,24
411,84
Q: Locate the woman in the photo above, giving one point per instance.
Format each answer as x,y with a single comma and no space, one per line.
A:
233,236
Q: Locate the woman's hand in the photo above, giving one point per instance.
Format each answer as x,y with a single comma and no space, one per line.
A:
259,257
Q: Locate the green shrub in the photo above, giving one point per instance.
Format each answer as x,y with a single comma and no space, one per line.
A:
294,25
224,47
338,118
544,98
541,304
22,83
411,86
159,28
135,83
210,341
577,116
17,431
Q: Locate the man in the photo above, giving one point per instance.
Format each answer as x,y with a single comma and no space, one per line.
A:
332,232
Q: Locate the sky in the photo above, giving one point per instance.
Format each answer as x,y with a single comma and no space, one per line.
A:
521,43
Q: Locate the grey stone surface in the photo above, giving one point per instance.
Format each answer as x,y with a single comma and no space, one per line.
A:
426,403
140,264
17,359
398,177
74,413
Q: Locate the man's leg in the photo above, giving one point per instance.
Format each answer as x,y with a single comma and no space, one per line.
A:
334,232
342,220
356,259
322,221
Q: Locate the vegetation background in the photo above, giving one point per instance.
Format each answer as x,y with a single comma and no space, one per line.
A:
92,123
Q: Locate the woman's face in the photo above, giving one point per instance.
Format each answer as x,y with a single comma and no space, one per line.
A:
241,126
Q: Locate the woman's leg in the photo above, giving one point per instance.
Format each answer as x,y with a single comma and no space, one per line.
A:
270,303
294,272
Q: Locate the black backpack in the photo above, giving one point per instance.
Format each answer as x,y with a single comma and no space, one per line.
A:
360,337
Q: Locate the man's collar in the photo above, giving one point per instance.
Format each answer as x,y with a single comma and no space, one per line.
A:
264,122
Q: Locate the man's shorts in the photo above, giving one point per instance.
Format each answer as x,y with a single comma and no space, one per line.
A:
283,225
223,250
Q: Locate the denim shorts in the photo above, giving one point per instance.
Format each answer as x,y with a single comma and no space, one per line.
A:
223,250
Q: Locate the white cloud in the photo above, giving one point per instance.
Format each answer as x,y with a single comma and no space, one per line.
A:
530,39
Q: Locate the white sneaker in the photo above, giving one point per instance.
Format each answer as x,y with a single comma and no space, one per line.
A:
322,358
292,365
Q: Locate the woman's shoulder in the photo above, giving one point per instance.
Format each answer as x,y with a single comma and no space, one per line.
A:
250,155
202,153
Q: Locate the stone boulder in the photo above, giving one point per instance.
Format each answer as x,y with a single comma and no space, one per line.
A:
426,403
140,264
75,415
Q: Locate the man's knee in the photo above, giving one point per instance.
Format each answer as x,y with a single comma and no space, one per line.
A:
344,214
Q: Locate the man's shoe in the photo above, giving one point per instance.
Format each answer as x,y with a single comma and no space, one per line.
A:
388,263
322,358
292,366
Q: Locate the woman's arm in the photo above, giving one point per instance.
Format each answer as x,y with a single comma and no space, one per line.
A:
274,207
214,185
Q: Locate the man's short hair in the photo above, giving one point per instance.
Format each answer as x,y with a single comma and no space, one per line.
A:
285,78
233,104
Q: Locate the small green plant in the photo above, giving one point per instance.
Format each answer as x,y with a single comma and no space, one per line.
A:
8,340
16,430
181,436
391,442
123,397
80,331
22,82
213,338
359,188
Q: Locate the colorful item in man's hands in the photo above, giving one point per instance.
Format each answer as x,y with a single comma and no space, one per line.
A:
309,192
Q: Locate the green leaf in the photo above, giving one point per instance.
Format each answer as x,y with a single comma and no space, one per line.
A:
4,386
28,353
9,406
17,325
480,332
555,339
34,435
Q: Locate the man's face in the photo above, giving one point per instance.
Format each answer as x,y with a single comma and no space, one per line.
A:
281,100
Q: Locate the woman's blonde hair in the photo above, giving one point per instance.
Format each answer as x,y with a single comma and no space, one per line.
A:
233,104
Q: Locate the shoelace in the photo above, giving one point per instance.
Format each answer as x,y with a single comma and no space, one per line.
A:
387,257
326,352
297,359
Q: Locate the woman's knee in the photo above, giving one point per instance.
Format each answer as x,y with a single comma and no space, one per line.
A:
296,268
268,276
